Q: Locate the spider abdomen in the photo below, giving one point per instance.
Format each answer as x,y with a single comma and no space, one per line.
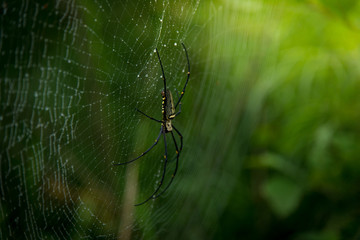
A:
168,110
168,106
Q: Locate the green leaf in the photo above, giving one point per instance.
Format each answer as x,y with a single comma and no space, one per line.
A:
282,194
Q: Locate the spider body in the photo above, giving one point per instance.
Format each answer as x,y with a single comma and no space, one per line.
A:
168,114
168,110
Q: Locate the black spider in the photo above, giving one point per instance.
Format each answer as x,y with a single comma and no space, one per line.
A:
168,114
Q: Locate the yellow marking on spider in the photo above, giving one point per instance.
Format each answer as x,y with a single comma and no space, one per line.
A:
177,152
188,73
165,156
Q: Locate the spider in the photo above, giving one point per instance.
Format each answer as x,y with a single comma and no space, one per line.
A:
168,114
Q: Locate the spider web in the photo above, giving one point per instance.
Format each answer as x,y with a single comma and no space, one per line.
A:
72,74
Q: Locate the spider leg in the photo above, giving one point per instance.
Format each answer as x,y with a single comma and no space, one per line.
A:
164,171
188,76
177,93
163,74
156,141
148,116
179,110
181,137
162,69
176,167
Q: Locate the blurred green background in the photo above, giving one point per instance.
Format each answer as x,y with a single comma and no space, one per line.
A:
270,119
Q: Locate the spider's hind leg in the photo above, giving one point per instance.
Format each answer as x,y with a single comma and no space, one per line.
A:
176,167
181,137
148,150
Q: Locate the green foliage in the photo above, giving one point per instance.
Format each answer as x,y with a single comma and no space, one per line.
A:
282,194
301,167
270,119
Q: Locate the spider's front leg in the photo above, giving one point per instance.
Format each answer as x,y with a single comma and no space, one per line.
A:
179,106
178,111
188,76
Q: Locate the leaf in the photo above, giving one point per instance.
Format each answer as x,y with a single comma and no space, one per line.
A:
282,194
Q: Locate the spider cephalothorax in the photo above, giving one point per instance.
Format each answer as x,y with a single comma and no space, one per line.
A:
168,114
